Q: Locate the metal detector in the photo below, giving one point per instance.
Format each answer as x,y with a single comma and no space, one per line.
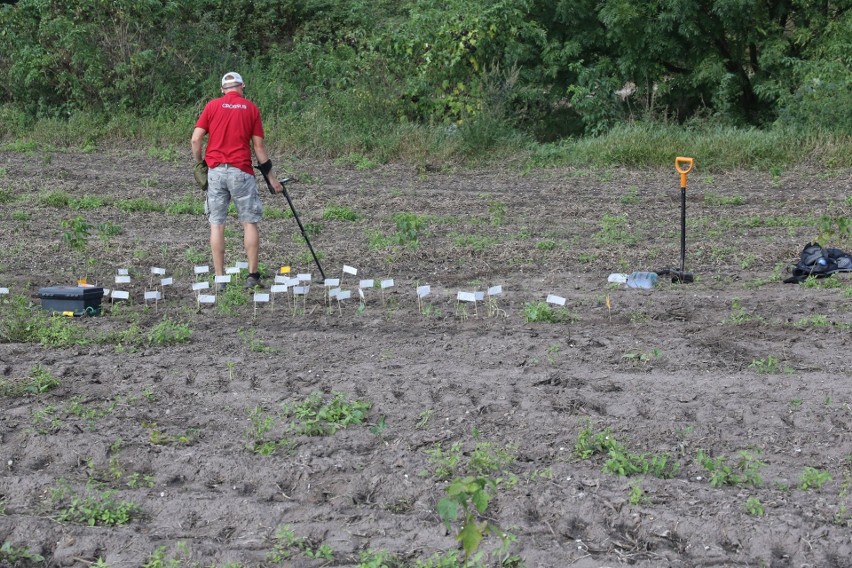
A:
295,216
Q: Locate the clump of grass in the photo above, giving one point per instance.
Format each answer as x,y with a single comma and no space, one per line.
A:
339,213
90,507
39,381
543,312
168,332
315,416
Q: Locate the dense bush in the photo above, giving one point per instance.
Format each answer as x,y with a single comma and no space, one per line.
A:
549,69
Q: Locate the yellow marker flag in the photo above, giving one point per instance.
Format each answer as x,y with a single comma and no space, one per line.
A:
285,270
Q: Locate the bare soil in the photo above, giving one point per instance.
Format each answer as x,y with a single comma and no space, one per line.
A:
735,362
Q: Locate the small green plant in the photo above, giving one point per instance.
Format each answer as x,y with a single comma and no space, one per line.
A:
590,443
723,200
87,202
546,244
339,213
543,312
833,229
409,227
631,197
98,508
614,231
636,495
168,332
643,356
139,205
286,544
628,464
58,199
828,283
317,417
445,462
769,366
109,229
39,381
745,472
11,555
466,502
496,210
754,507
813,478
188,205
76,233
21,216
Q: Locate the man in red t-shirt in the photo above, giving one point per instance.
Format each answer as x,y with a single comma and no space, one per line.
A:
234,128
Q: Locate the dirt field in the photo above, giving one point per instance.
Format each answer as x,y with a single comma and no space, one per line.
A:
717,396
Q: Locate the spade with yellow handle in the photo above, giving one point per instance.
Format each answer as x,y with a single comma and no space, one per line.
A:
683,167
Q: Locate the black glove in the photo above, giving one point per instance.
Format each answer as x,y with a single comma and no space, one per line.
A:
200,173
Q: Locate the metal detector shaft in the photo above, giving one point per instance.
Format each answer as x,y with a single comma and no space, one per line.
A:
295,216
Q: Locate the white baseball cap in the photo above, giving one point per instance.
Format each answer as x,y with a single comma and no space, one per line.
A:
231,79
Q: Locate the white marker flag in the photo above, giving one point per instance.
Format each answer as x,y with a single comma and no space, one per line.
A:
122,279
423,291
160,271
261,297
200,286
495,290
466,296
206,299
558,300
387,283
350,270
120,295
152,295
202,269
166,281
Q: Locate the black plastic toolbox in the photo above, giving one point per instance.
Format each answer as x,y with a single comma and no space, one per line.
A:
76,300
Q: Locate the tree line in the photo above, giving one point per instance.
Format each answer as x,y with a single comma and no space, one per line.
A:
550,68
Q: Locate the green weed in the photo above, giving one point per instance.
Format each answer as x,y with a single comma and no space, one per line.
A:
21,216
338,213
754,507
614,231
723,200
466,503
58,199
813,478
11,555
543,312
286,544
168,332
76,233
139,205
98,508
188,205
745,472
39,381
771,365
315,416
590,443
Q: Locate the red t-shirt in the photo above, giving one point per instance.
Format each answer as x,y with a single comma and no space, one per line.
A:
230,122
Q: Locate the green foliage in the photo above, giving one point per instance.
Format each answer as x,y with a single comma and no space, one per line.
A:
541,311
11,555
466,502
168,332
316,417
286,544
39,381
99,508
339,213
139,205
187,205
408,228
745,471
76,233
22,322
754,507
590,443
813,478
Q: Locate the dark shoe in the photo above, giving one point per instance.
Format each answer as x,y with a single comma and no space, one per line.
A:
220,286
252,283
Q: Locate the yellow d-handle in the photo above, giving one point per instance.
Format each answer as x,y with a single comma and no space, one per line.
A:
688,164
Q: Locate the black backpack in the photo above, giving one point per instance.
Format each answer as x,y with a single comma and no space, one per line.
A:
819,262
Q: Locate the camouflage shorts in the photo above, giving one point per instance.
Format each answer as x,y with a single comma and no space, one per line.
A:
228,183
